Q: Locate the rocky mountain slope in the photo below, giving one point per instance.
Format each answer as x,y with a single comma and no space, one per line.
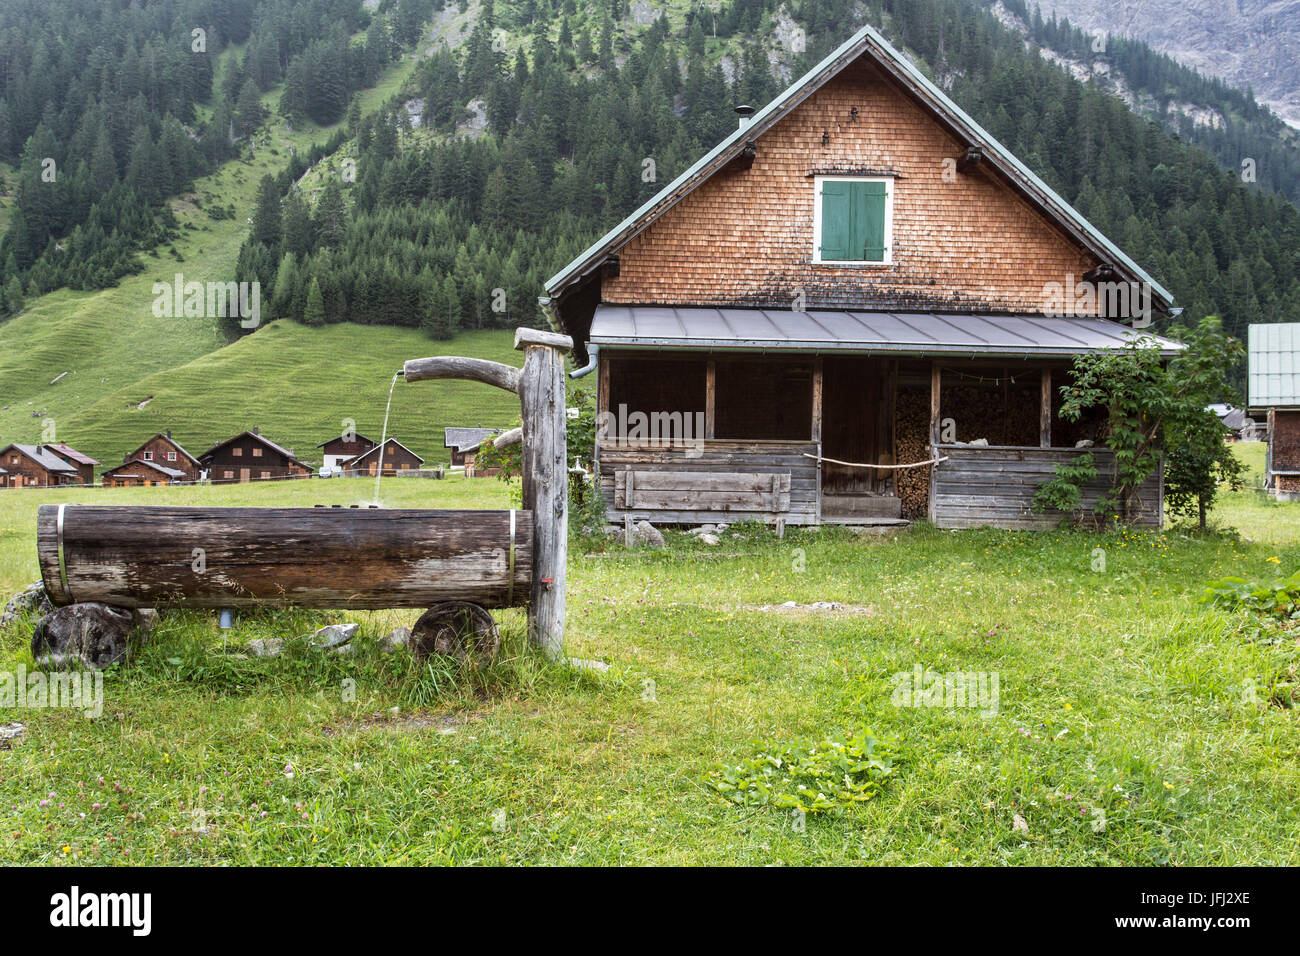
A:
1252,43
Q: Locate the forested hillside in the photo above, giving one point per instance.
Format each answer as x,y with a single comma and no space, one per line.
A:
453,223
108,109
530,127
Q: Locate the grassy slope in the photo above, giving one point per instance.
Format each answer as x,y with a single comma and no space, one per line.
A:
1118,691
299,385
109,340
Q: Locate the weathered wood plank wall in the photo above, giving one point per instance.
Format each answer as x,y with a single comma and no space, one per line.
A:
758,470
995,486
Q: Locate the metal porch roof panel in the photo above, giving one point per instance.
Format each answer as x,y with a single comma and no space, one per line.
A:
1273,364
639,326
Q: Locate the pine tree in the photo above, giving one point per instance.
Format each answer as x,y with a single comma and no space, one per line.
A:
14,296
266,217
314,312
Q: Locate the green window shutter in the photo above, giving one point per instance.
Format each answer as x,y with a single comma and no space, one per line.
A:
868,221
836,222
853,221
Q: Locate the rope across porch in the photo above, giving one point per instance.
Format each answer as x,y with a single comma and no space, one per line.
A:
858,464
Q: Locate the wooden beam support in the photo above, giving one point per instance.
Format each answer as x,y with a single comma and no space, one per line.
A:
817,399
546,484
1045,411
454,366
710,397
934,403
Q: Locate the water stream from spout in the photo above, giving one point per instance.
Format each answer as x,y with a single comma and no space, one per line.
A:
383,436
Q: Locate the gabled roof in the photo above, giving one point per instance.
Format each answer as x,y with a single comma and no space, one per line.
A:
170,472
167,438
1273,365
869,42
68,451
463,439
47,460
258,438
375,451
360,437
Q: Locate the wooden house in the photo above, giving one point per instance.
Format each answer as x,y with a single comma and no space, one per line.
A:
165,451
857,280
35,466
250,456
141,472
464,444
397,458
344,447
1273,387
84,464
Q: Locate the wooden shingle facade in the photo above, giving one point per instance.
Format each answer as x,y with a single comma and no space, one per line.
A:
858,308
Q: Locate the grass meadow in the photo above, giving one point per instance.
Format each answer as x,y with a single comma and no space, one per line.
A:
1134,725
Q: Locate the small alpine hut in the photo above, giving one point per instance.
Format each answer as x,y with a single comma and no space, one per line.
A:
857,283
1273,385
251,456
83,463
165,452
397,459
344,447
141,473
35,466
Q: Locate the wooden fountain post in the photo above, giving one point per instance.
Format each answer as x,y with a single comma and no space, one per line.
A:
540,387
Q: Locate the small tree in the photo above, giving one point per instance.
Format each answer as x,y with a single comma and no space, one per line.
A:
1154,407
314,312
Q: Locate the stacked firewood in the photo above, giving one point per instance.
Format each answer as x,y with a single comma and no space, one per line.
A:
1000,418
912,439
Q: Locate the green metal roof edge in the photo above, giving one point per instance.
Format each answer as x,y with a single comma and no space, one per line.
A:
866,38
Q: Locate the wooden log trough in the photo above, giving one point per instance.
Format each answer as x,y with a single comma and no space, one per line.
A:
353,558
307,557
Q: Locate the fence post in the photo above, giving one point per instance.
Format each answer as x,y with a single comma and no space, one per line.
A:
546,478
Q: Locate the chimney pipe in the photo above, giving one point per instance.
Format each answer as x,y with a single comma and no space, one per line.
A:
745,112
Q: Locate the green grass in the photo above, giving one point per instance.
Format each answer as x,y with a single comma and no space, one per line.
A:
300,385
1119,692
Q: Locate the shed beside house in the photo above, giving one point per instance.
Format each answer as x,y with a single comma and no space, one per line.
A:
858,308
83,463
140,472
1273,386
464,444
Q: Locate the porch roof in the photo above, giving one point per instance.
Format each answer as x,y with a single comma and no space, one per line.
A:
912,333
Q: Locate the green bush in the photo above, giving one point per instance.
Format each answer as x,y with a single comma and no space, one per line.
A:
813,779
1279,599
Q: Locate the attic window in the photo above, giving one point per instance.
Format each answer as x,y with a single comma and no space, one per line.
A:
853,220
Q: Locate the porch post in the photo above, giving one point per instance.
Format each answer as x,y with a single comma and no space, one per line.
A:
710,396
934,403
817,399
1045,411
